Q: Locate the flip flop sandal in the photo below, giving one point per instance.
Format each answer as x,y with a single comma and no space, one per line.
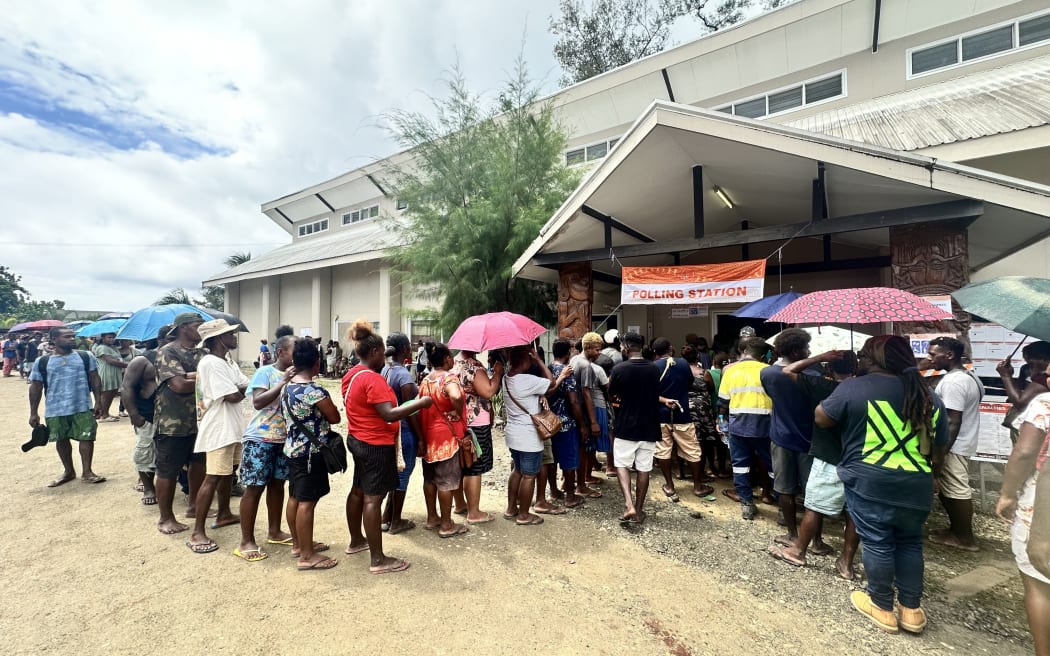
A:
579,502
324,563
535,521
202,548
399,566
489,517
707,490
509,517
593,494
778,554
671,496
149,501
286,542
408,527
731,494
348,551
252,555
554,510
94,479
460,530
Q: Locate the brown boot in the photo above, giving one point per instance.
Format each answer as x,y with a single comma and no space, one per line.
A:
884,619
912,620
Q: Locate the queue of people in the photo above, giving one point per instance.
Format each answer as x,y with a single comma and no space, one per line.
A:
862,436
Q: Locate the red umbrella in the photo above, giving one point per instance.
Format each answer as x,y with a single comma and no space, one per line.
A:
43,324
495,330
861,305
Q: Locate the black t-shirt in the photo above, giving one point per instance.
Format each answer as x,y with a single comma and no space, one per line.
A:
32,350
635,384
827,442
675,377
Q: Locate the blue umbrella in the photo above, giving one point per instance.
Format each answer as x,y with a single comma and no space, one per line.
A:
766,307
145,323
101,327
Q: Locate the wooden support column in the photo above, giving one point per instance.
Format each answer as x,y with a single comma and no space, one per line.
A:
575,299
931,259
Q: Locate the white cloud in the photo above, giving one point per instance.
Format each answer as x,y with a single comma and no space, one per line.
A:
277,96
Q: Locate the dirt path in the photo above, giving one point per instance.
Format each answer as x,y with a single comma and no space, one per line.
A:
85,572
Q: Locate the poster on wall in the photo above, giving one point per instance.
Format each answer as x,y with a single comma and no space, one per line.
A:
993,439
732,282
991,343
689,312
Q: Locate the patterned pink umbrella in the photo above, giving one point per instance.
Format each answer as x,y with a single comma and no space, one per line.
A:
861,305
495,330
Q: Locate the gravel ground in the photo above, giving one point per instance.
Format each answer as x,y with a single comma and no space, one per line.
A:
710,536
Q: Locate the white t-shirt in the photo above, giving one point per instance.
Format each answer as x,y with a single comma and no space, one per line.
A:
218,423
962,391
520,433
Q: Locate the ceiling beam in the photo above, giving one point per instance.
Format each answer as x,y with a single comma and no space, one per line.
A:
956,209
612,222
326,203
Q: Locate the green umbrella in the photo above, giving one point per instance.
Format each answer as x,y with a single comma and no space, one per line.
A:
1019,303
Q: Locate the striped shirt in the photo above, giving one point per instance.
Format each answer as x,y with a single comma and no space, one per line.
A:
749,405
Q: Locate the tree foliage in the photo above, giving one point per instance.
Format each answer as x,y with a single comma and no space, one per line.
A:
237,259
484,179
12,294
178,296
595,36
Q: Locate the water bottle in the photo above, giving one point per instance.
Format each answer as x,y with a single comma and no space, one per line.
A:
723,428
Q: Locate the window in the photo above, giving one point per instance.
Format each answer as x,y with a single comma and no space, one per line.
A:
401,205
362,214
992,41
315,227
1033,31
590,152
790,98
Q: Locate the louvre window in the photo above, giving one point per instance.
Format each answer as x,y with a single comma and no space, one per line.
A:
786,100
1033,30
590,152
946,54
988,43
312,228
360,215
782,101
991,41
751,108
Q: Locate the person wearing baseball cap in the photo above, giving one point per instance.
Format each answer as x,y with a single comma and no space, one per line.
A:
220,388
175,415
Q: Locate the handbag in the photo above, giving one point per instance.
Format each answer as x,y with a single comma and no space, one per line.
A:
546,421
333,452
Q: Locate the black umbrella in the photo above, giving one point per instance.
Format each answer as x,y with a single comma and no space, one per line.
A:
229,318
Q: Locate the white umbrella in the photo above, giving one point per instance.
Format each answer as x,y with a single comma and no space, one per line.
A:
832,338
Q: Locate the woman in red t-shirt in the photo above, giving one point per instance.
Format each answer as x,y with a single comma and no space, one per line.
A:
373,420
443,425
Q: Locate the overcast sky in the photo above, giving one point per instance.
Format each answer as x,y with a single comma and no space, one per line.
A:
140,138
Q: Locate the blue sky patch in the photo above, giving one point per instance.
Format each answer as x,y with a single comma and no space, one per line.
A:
118,129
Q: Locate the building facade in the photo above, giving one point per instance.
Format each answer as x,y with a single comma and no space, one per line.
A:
965,81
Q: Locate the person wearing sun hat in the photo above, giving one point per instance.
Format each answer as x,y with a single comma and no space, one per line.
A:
220,388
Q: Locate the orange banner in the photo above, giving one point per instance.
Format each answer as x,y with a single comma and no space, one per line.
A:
731,282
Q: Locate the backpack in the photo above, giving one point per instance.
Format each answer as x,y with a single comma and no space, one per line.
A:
84,357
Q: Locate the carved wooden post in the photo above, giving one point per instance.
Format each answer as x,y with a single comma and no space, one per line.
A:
932,259
575,299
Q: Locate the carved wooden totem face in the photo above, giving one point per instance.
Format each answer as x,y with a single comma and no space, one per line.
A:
931,260
575,299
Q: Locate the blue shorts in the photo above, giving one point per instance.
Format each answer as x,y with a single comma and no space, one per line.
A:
566,446
526,463
602,443
408,452
262,462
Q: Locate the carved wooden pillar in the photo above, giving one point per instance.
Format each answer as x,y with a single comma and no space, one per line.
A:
932,259
575,299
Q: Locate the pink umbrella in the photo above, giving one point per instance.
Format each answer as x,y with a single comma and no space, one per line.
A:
861,305
494,330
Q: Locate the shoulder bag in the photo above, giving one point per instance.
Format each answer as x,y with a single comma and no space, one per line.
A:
468,452
547,423
333,452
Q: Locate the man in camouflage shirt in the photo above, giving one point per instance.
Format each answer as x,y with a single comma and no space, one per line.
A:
175,416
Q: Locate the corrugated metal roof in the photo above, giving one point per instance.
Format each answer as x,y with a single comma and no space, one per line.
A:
995,101
346,244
